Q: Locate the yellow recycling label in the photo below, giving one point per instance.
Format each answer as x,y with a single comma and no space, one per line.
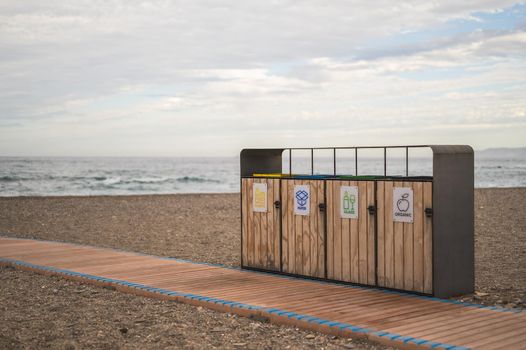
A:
259,195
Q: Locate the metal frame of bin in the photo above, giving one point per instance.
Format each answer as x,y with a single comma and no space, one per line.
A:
452,206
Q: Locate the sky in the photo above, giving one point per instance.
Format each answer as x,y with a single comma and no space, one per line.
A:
208,78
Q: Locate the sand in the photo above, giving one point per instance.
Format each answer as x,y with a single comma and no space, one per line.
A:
206,228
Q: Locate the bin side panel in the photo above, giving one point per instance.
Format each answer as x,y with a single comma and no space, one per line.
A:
453,220
389,236
244,215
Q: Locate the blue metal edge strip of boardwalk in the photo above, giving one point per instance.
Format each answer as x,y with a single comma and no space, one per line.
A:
292,315
387,291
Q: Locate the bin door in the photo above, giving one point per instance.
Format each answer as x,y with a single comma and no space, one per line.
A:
260,235
351,231
303,238
405,235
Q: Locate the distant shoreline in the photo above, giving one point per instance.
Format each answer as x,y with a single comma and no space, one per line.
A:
182,194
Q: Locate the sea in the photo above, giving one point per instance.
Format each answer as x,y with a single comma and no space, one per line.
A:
83,176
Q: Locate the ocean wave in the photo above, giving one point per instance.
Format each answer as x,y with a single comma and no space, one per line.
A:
187,179
8,178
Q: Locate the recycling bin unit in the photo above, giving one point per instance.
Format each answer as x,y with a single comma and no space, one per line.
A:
410,233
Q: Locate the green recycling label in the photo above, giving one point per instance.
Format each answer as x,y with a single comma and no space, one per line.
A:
349,202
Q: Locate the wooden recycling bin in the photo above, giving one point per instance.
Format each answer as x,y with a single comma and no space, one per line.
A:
404,233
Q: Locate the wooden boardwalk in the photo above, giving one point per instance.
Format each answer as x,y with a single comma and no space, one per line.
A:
394,318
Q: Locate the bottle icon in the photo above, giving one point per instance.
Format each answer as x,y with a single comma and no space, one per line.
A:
346,202
352,200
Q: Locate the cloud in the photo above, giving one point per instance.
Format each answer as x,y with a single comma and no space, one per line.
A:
254,73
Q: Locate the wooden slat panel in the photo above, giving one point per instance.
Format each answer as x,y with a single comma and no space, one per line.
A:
355,242
313,230
330,229
408,250
263,232
292,227
389,236
244,215
306,234
277,227
398,250
418,236
250,225
371,239
285,225
362,232
428,240
269,263
380,219
337,233
320,224
257,235
346,241
298,231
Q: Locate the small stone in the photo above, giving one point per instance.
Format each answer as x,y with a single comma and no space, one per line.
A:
238,345
219,329
511,305
481,294
348,346
123,330
310,336
200,308
55,291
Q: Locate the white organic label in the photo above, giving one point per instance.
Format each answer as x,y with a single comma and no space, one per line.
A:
301,200
349,202
403,204
259,197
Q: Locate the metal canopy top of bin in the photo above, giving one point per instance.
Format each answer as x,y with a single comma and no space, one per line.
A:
268,161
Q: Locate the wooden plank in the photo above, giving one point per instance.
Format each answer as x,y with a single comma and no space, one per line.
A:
398,250
276,224
257,235
418,236
263,233
292,228
362,232
408,250
337,233
371,239
380,221
389,235
285,209
313,230
330,229
320,226
354,242
270,225
298,231
306,233
250,224
346,241
428,239
243,222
